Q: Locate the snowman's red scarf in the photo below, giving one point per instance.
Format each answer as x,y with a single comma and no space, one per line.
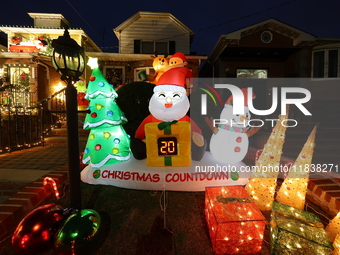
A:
231,128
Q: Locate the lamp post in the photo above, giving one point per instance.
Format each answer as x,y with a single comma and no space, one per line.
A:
68,60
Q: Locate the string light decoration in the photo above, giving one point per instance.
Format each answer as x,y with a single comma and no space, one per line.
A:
257,155
262,184
236,225
286,168
294,188
294,231
54,186
16,117
333,228
336,245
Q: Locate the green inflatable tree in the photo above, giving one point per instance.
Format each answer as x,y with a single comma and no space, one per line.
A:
108,142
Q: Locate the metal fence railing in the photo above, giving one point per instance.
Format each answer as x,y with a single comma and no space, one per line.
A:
24,124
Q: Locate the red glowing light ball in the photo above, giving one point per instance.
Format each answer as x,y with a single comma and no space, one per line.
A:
37,231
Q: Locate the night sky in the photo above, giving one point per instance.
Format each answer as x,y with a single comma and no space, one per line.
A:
207,18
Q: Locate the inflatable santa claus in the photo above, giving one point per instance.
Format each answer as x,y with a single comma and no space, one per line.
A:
170,104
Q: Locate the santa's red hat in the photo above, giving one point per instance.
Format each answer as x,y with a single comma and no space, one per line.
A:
245,95
179,55
174,79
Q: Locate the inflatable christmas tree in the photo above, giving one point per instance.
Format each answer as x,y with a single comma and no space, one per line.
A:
108,142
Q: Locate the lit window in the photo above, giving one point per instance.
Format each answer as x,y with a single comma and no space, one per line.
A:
20,76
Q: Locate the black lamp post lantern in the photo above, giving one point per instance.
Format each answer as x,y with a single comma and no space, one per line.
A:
68,60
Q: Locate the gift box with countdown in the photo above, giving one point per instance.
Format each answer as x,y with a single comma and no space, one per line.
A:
168,144
294,231
236,225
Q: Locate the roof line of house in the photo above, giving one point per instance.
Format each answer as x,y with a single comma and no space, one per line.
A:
57,16
140,14
131,56
24,29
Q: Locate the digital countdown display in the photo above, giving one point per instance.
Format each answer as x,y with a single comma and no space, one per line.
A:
167,146
170,146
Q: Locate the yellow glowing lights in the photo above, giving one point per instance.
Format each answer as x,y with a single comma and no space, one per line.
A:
246,231
293,190
333,227
93,63
261,186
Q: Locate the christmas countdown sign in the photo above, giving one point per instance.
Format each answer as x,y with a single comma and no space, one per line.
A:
135,174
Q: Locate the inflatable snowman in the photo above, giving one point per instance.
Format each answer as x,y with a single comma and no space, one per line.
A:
229,143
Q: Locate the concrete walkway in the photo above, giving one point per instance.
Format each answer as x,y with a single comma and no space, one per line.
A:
20,168
21,182
30,164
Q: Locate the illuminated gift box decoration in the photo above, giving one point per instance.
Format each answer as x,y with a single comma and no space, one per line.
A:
333,227
336,245
294,231
168,144
236,225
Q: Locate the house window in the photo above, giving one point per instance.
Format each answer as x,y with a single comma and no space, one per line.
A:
17,92
141,73
266,37
252,73
326,64
318,64
333,63
115,75
149,47
20,76
161,47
